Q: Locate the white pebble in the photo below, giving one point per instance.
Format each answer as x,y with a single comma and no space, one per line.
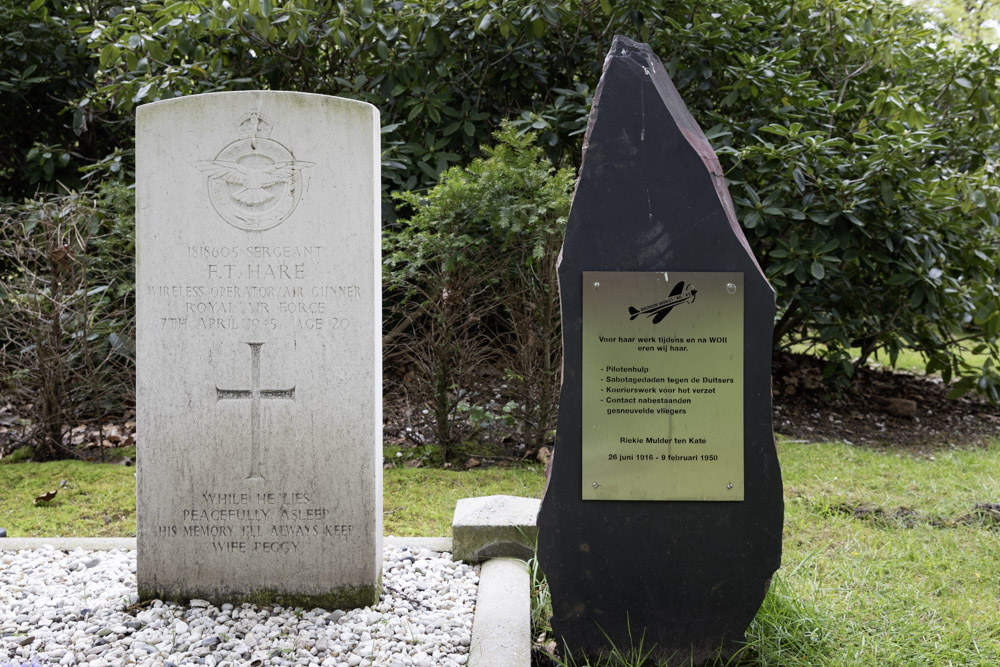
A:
68,602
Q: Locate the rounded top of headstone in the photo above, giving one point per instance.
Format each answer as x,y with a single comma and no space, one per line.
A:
254,180
265,96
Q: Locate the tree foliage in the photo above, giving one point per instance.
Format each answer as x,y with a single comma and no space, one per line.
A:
862,156
444,74
45,72
860,144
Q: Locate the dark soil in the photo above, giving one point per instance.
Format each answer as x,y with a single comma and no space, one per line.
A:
983,515
881,408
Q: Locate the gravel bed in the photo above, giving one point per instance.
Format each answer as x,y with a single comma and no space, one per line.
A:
76,608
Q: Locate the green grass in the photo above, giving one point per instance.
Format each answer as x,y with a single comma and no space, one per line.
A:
908,360
98,499
886,560
421,501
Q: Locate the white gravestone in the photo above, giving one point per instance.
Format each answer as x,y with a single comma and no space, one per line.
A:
259,349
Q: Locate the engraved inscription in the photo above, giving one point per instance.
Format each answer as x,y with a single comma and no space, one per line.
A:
258,522
284,295
255,394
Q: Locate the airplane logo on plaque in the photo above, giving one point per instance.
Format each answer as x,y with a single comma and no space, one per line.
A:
679,295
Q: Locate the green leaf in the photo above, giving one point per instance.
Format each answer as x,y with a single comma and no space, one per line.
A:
817,270
799,178
983,313
141,94
426,168
888,196
108,55
154,49
36,5
717,131
899,279
549,12
849,104
830,245
960,388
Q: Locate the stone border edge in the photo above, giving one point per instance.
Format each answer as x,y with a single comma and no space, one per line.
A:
128,543
501,629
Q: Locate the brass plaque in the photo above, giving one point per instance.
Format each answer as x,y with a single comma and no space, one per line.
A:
662,385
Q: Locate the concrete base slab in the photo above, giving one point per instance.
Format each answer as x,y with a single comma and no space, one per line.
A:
494,527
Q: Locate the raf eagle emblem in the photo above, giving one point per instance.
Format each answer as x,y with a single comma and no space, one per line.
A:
253,185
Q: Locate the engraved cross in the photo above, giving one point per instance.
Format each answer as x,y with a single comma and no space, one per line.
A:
255,394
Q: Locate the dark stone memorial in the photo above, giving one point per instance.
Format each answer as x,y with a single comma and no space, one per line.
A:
663,512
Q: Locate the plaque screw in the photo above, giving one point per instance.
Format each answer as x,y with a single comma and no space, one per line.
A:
729,485
595,485
731,288
597,285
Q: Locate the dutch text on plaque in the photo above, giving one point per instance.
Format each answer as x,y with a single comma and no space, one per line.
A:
662,385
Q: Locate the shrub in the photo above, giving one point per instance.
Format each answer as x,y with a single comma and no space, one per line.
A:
472,276
861,149
67,303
